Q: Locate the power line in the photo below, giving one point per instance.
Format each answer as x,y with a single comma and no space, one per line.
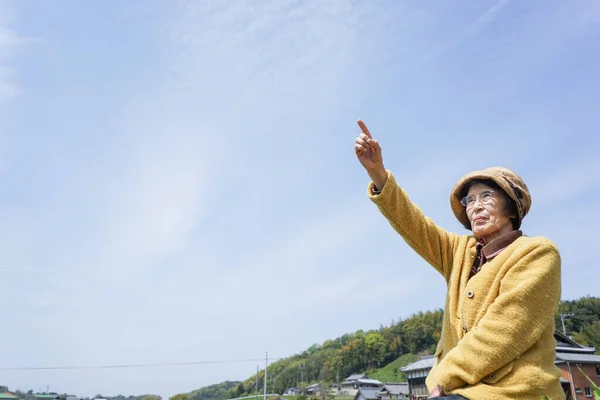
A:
175,364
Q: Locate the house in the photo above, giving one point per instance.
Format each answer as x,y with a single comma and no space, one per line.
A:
564,344
351,385
573,367
293,391
575,360
357,381
352,380
368,384
314,389
394,391
354,377
570,356
46,396
416,374
367,394
8,396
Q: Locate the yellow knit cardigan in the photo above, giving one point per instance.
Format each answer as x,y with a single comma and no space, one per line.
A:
497,338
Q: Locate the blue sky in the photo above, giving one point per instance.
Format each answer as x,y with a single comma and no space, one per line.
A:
179,179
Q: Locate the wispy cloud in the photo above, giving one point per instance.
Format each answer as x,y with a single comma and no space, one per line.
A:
184,166
473,28
8,42
567,183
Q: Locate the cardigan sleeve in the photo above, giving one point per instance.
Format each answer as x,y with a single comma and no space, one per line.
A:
430,241
529,295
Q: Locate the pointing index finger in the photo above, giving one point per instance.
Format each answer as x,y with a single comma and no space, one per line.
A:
364,128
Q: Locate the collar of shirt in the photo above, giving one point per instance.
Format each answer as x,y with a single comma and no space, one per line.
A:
494,247
486,251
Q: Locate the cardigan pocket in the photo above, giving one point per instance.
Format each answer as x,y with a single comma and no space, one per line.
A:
496,376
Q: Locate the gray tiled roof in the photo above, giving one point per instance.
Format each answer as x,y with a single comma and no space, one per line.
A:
426,363
369,393
356,376
582,358
369,381
396,388
570,349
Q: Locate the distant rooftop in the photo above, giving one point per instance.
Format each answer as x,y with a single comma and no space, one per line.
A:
395,388
369,381
369,393
579,358
566,344
354,377
424,363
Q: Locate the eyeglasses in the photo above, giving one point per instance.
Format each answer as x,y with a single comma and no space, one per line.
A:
485,197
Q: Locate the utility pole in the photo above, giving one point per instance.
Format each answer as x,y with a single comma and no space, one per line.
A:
257,382
266,365
562,320
572,386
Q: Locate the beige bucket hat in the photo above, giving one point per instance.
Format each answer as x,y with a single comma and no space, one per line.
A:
511,183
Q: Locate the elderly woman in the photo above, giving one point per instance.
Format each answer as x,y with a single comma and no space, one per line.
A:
497,339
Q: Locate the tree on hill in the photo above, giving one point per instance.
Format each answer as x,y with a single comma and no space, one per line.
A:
218,391
582,320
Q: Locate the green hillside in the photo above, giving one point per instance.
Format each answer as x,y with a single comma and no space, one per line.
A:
391,373
213,392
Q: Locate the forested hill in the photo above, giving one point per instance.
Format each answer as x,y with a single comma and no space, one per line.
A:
217,391
370,351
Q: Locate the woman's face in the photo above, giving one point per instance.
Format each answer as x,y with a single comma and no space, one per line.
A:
486,210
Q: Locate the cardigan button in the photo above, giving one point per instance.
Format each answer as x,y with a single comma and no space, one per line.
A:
464,329
470,294
492,376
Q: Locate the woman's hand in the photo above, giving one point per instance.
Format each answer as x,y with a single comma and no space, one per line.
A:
368,153
437,392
